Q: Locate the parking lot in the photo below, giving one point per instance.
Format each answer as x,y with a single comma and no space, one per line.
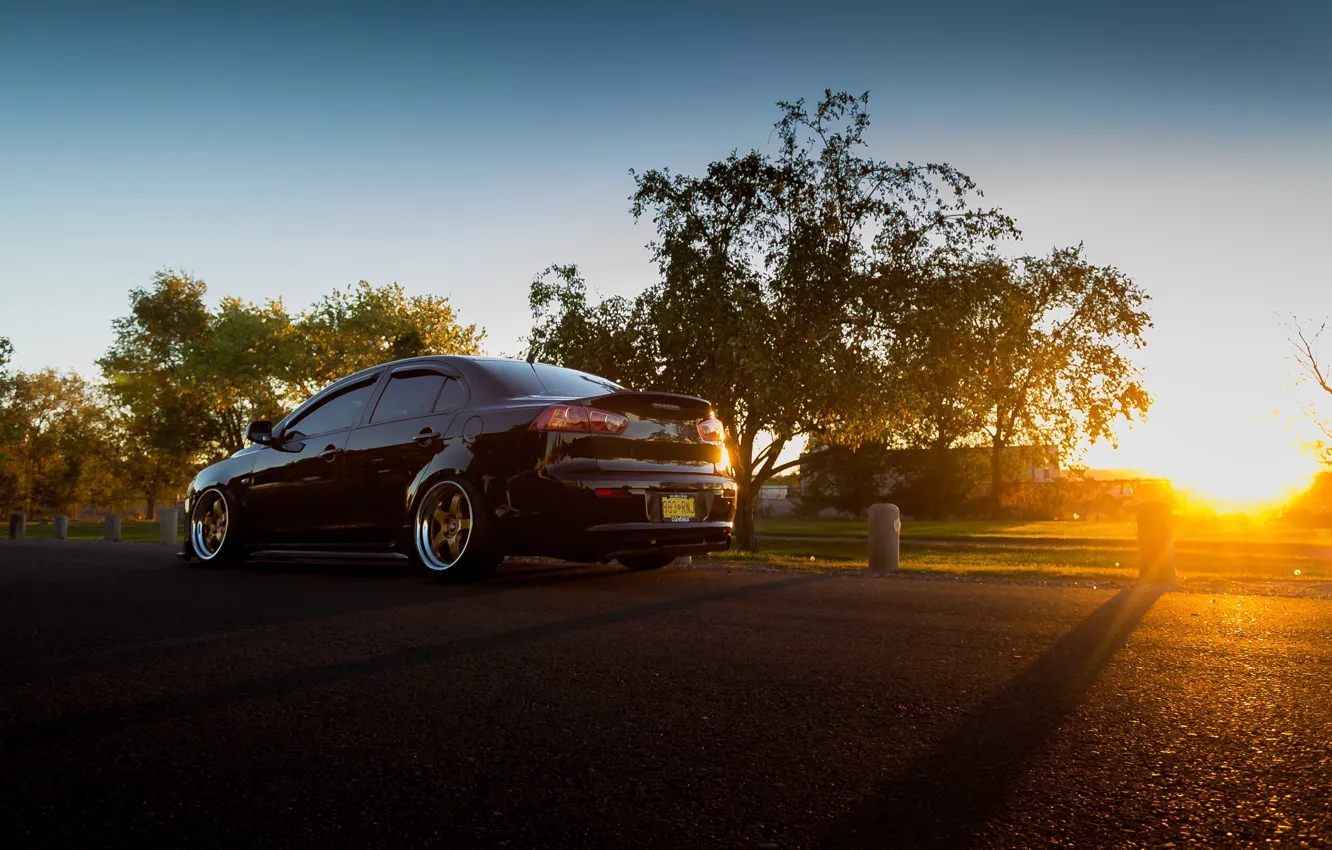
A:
146,703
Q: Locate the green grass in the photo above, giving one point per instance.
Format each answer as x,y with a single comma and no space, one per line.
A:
1047,562
130,532
1219,529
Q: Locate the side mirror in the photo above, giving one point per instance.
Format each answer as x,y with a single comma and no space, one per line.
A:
260,432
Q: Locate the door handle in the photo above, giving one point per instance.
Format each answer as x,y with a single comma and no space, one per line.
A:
426,435
330,452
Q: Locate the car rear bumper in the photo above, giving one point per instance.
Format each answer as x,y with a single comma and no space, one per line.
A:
598,516
693,538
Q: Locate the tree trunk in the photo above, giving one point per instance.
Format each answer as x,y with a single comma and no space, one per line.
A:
746,510
152,507
943,479
996,479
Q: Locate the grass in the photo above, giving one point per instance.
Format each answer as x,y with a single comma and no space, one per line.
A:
130,532
1203,529
1047,562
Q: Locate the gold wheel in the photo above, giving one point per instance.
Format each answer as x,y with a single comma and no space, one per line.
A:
209,523
443,526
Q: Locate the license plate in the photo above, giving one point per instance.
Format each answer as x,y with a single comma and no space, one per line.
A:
677,508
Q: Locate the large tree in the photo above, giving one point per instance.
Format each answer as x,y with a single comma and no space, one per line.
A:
165,413
53,441
1052,339
780,275
362,325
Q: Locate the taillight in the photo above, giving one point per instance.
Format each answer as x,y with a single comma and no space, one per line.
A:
712,430
576,417
605,422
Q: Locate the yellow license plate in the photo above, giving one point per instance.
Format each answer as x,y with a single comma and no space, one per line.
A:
677,508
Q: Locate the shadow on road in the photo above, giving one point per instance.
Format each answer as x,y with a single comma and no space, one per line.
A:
948,793
174,706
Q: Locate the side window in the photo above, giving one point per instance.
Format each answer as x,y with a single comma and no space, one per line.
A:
334,413
409,394
452,397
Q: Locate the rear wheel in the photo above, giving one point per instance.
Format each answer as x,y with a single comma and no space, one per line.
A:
651,561
214,529
452,534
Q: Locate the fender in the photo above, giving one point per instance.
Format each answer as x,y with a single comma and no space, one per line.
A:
231,474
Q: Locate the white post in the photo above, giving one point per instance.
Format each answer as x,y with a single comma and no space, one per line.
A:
885,529
166,525
60,527
18,525
112,532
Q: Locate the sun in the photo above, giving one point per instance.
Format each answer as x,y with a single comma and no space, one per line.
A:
1250,465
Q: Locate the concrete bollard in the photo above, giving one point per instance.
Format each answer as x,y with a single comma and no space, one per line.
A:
60,527
1156,544
112,532
166,525
18,525
885,531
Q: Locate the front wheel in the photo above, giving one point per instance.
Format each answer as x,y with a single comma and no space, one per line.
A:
651,561
214,529
452,534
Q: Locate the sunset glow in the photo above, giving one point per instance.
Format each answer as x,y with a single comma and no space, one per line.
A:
1245,462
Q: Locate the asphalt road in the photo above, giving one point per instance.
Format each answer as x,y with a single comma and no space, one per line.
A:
147,704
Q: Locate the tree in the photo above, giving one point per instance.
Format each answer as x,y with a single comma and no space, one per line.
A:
364,325
165,414
935,352
54,440
1052,337
10,492
779,275
243,369
1314,370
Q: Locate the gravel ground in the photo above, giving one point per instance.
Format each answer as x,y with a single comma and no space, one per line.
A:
147,704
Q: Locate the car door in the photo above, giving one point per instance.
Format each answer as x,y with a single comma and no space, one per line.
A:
409,425
297,493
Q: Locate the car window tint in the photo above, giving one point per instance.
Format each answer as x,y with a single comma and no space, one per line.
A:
515,376
335,412
452,397
570,382
408,394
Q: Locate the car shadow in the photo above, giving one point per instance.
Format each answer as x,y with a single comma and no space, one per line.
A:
170,706
512,573
412,589
945,796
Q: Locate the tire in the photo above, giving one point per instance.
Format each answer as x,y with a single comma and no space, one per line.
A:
651,561
453,535
214,532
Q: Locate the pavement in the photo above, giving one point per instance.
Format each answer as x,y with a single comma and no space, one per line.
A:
145,703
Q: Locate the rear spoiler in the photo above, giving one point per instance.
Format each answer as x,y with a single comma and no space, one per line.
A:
659,403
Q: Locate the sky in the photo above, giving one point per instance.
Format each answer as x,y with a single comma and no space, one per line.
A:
281,150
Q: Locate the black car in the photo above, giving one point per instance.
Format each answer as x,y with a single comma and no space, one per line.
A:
456,462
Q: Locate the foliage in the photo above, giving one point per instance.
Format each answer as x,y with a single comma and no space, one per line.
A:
1313,507
184,381
55,443
1052,337
778,274
363,325
163,412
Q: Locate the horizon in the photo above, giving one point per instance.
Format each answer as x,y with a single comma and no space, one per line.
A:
460,153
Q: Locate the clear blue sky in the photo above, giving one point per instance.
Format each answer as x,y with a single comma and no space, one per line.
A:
460,150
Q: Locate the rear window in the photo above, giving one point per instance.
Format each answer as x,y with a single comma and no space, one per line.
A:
515,376
571,382
524,379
